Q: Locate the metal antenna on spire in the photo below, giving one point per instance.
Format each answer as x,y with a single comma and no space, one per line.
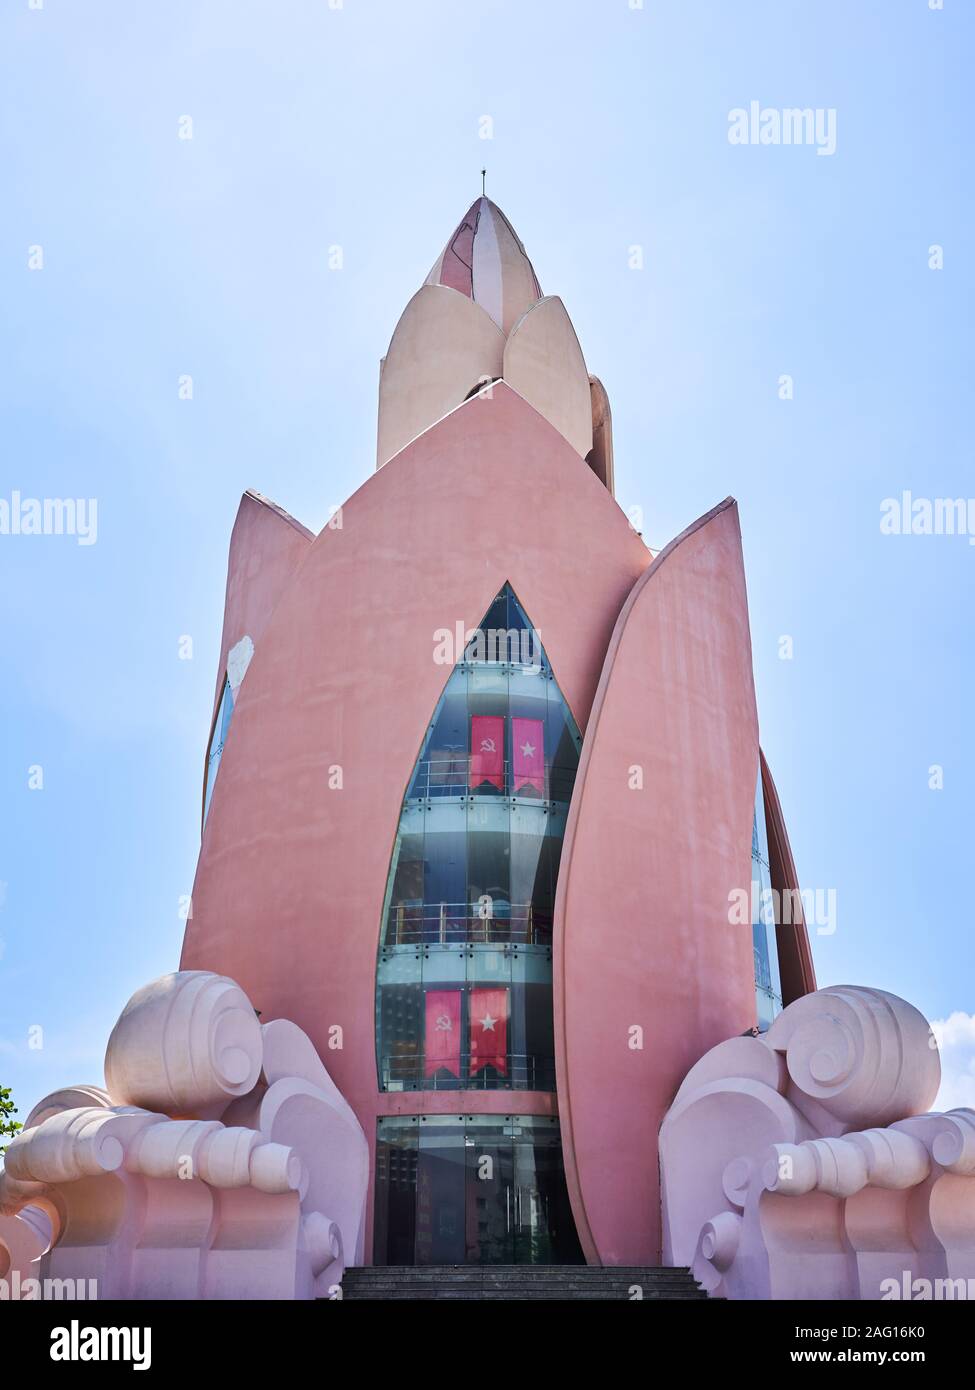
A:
483,177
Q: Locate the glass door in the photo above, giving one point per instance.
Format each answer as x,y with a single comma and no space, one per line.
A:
472,1189
441,1193
544,1230
490,1189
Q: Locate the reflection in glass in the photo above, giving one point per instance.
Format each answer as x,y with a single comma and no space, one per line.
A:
464,980
218,738
768,987
472,1189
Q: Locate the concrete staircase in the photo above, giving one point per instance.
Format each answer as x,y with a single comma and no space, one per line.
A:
495,1283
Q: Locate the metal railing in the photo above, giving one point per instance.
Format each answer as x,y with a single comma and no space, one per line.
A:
451,777
457,924
524,1072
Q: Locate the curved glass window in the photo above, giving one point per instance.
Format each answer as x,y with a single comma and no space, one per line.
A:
464,981
217,740
768,986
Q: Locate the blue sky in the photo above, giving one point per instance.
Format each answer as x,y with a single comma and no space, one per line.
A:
360,127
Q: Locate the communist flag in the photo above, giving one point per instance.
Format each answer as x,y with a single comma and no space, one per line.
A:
487,750
489,1030
442,1045
527,753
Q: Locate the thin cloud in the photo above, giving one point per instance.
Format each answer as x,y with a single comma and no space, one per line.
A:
956,1041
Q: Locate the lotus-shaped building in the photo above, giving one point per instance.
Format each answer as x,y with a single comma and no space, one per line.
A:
483,799
482,777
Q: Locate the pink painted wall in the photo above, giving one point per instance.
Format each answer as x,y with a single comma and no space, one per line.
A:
266,546
290,884
641,925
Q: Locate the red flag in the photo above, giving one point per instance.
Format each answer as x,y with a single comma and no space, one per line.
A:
528,753
489,1030
442,1044
487,750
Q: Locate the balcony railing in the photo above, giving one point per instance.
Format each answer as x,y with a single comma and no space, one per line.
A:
450,924
451,777
525,1072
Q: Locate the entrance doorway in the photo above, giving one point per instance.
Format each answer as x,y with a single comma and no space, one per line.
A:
472,1189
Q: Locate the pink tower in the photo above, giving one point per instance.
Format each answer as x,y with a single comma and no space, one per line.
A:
484,787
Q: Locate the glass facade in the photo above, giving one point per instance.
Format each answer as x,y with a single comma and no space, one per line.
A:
217,740
464,977
472,1189
768,986
464,970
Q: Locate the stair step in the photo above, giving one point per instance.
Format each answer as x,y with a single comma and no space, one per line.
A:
526,1271
507,1271
522,1296
528,1283
495,1283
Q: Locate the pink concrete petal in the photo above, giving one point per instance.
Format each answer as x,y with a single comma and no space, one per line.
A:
642,934
266,545
601,458
443,347
544,363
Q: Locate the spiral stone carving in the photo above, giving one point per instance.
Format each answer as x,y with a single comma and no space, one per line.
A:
70,1145
954,1147
68,1098
187,1045
834,1182
719,1239
244,1180
323,1240
863,1055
